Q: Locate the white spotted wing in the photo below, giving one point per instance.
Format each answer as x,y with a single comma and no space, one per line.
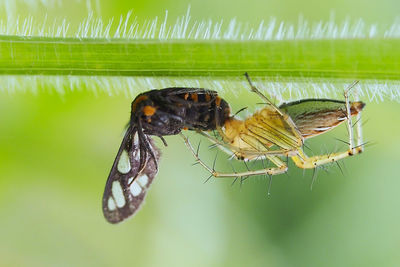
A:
127,185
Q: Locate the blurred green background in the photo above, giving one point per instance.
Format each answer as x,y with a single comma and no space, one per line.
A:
56,152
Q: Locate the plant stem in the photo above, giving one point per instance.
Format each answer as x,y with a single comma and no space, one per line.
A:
349,58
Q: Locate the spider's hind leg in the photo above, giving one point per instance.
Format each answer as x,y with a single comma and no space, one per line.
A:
360,145
305,162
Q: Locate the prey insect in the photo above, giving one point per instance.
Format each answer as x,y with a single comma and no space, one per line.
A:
275,132
155,113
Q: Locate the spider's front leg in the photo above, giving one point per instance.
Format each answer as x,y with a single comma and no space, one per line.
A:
284,116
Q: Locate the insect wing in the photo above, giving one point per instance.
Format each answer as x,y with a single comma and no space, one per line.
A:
126,188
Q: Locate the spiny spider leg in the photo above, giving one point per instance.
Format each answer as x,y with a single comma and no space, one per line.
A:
285,116
281,166
348,115
360,145
303,161
261,95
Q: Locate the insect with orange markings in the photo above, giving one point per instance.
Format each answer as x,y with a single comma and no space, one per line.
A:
155,113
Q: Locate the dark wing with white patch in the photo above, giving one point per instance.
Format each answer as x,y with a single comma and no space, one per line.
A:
127,185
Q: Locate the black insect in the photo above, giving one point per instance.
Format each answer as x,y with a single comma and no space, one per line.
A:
159,113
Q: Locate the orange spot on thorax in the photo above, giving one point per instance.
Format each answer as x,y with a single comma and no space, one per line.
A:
149,110
138,100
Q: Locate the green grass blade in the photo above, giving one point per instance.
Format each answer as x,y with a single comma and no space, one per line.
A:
377,59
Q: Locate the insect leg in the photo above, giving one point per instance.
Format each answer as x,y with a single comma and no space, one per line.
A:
281,166
304,162
348,116
261,95
285,116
